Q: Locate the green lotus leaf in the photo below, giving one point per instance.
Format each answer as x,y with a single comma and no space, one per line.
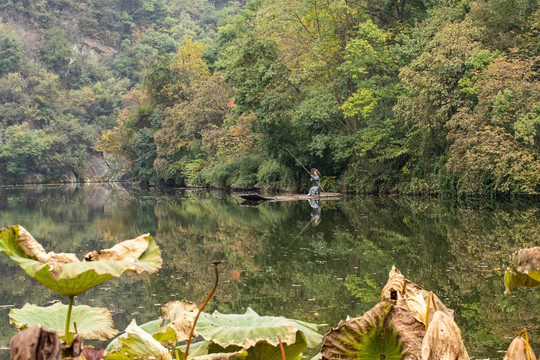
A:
207,350
73,278
384,332
92,323
262,350
248,329
138,344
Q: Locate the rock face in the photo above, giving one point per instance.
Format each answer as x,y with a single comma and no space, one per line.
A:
104,168
98,168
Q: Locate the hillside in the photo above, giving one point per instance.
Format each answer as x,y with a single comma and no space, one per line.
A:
65,69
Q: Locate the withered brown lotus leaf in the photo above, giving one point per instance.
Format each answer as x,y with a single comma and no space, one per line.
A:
443,340
518,350
394,288
410,331
181,314
91,353
35,343
128,250
354,338
415,300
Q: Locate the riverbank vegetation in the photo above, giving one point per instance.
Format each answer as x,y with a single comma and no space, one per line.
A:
381,96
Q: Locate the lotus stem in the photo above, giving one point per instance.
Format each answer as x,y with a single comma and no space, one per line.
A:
527,341
68,319
433,299
281,347
427,309
215,263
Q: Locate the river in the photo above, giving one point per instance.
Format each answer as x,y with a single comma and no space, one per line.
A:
279,261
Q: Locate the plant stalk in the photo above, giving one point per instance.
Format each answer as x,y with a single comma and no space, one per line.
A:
68,319
427,310
281,347
215,263
527,341
433,299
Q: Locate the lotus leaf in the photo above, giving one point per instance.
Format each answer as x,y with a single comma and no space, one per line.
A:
524,269
129,250
443,340
393,329
513,280
248,329
409,296
386,331
72,278
207,349
231,356
139,345
518,350
157,328
92,323
395,287
180,316
262,350
173,326
415,300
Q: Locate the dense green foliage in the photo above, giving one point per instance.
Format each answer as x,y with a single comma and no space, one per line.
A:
382,96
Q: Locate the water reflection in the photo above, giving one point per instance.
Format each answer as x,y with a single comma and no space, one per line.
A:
277,262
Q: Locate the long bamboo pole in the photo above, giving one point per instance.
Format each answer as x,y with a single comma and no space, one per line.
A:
302,165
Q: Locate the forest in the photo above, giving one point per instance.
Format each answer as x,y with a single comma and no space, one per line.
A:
381,96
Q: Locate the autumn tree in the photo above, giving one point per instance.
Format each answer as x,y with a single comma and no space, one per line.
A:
496,145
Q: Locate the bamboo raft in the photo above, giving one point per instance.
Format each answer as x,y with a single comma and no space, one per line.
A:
294,197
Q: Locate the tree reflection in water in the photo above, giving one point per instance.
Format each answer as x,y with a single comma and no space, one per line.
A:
278,266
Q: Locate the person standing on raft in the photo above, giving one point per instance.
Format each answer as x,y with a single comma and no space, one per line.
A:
316,180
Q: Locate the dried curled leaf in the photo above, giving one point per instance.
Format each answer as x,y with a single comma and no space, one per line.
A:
36,342
525,261
91,353
181,315
128,250
394,288
415,300
33,249
443,340
518,350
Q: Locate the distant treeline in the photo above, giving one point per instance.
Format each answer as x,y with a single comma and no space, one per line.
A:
409,96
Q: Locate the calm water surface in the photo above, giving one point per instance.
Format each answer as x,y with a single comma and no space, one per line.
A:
280,262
